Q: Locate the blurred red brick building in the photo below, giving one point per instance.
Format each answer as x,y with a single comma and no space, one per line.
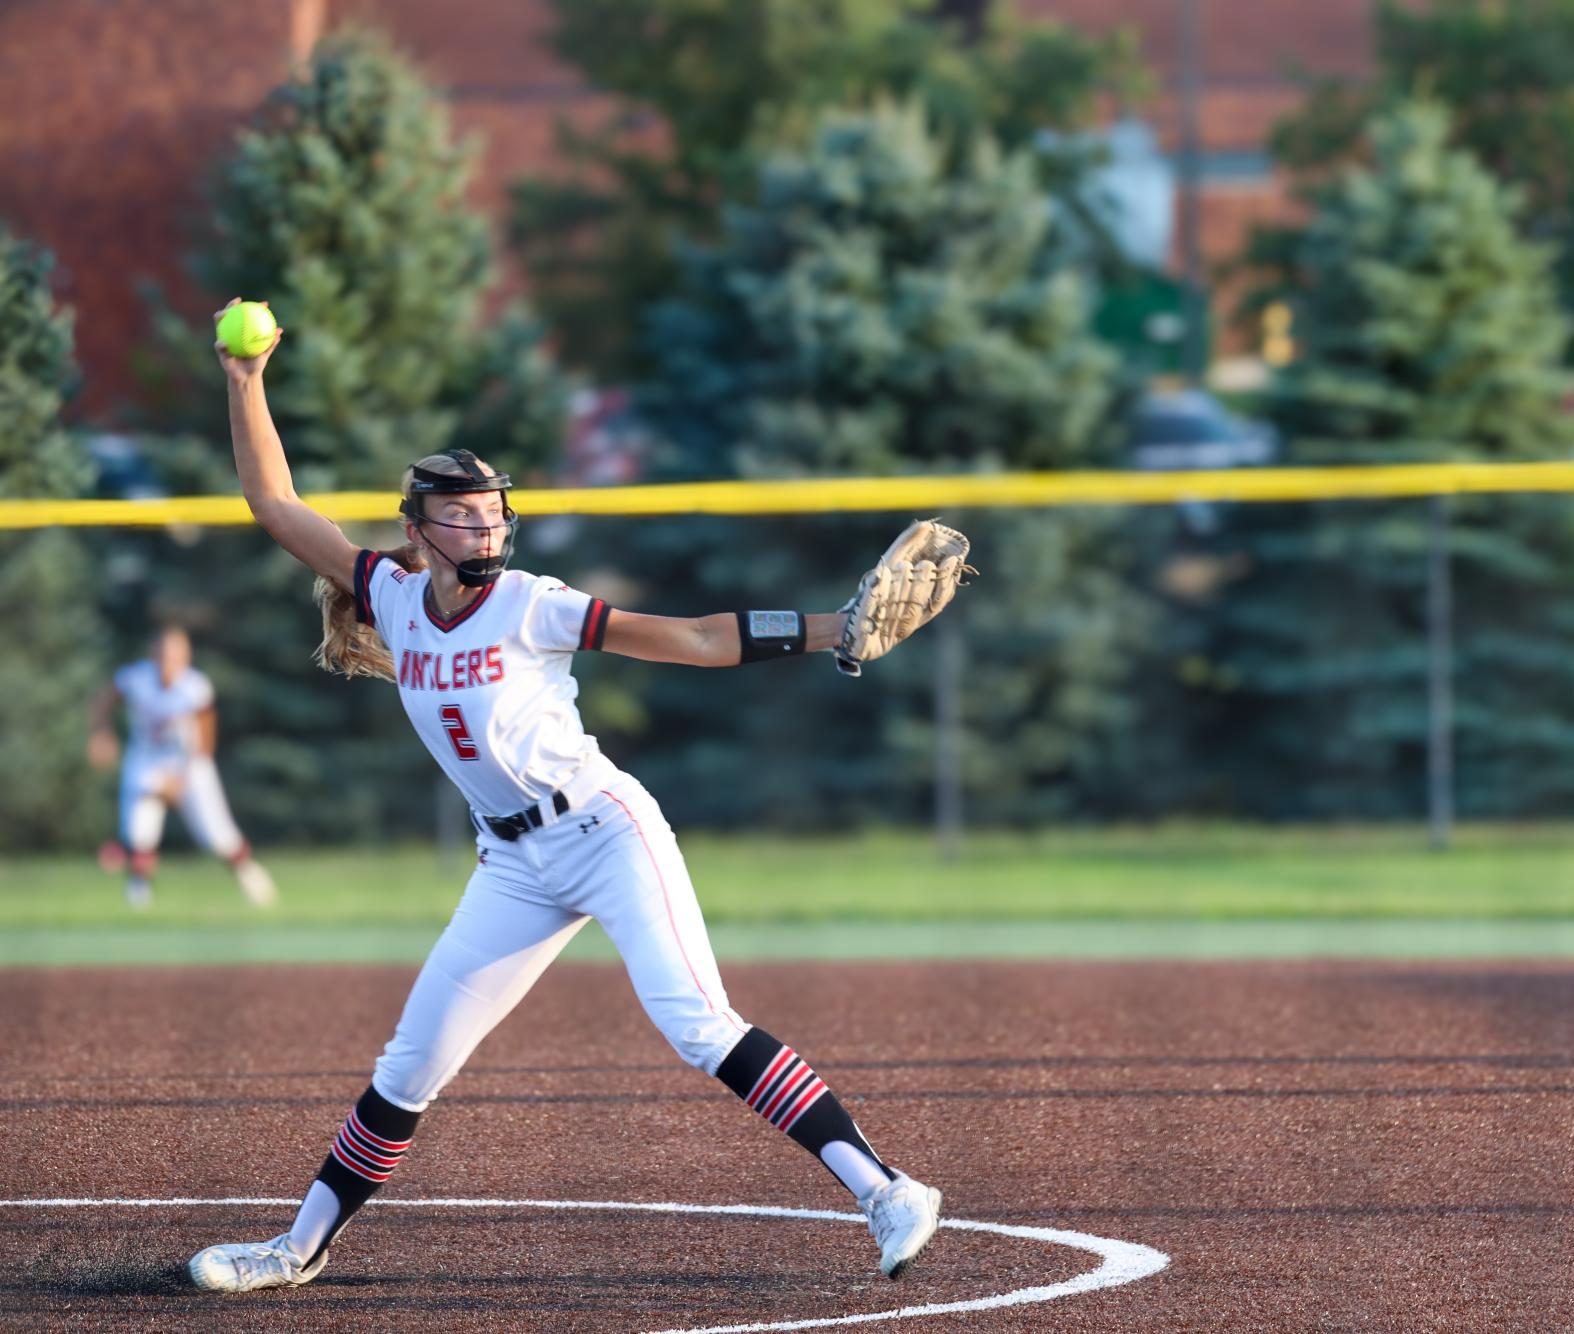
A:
112,112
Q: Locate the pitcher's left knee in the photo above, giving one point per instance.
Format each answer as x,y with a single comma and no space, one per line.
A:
703,1041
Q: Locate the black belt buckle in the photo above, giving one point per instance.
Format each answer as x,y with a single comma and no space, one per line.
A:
511,827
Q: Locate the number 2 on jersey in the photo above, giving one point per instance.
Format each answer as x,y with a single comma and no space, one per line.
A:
458,732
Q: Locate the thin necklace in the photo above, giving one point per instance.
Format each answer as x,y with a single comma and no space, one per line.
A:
442,615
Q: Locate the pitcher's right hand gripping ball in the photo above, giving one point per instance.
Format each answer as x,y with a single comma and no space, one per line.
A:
912,584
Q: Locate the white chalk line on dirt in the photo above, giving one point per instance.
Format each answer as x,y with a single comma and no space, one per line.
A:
1120,1262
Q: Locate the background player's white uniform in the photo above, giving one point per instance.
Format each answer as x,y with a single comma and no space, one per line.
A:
165,762
491,695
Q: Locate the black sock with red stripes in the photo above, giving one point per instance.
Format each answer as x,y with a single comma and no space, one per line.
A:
779,1084
370,1144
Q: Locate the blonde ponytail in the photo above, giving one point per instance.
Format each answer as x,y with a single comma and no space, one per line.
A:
347,645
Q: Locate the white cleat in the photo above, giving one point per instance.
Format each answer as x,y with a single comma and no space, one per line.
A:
249,1265
139,894
256,884
903,1215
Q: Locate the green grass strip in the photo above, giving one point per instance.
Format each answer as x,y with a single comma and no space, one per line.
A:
1178,873
264,943
1183,891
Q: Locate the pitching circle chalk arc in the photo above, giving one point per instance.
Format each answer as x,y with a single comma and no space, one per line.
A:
1120,1262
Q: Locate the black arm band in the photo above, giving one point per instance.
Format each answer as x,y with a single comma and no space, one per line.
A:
770,634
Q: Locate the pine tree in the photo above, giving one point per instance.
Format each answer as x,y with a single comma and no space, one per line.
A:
705,89
344,205
53,655
1428,330
37,374
1503,70
878,306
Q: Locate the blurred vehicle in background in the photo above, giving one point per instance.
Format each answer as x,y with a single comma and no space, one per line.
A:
1190,428
123,470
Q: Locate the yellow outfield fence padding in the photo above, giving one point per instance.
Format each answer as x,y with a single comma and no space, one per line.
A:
924,494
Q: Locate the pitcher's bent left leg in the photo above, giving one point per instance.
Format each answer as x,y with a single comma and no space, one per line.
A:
634,881
629,874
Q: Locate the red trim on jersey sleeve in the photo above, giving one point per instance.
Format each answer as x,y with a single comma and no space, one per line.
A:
365,563
594,630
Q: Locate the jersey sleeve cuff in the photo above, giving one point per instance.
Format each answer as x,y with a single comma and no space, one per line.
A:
365,563
594,629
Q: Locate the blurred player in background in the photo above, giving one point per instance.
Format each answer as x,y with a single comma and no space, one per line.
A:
171,726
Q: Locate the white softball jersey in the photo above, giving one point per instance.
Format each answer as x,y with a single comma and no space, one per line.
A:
162,719
490,692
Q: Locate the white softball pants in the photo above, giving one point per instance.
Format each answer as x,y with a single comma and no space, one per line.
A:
612,857
145,788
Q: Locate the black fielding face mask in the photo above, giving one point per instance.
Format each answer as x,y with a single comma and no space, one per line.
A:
477,571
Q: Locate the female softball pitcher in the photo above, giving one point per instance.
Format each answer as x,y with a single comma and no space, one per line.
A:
481,655
170,724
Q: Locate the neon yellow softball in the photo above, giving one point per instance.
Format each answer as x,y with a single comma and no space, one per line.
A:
247,329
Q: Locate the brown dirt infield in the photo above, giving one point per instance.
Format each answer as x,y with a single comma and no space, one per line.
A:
1317,1146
